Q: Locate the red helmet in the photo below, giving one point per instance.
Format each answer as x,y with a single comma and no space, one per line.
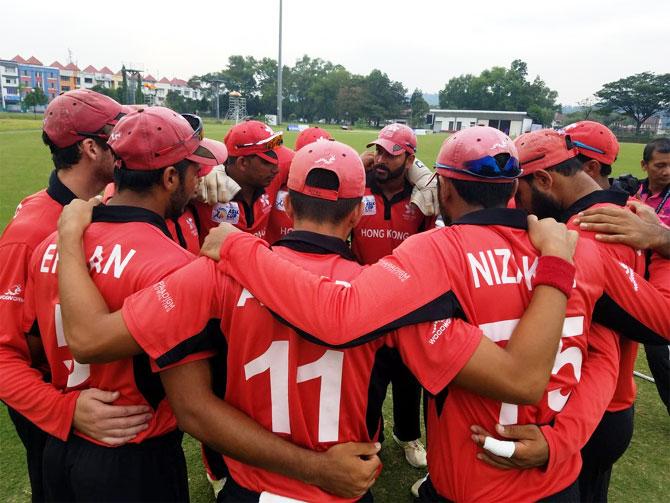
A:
594,140
80,114
333,156
469,154
157,137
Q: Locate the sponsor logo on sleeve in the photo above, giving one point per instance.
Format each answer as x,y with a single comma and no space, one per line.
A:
439,328
164,297
630,274
13,294
369,205
226,212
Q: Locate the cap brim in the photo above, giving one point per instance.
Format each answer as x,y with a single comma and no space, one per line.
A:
267,156
388,146
209,153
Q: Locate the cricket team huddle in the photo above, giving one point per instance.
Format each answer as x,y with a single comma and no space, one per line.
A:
263,299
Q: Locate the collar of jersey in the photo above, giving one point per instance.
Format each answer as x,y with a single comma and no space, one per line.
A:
313,242
58,191
125,214
599,196
507,217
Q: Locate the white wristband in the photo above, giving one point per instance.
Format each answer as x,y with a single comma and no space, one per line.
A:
502,448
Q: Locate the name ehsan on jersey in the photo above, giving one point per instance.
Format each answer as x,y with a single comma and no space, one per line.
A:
100,262
494,267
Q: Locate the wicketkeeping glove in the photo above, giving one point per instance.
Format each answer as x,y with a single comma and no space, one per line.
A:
217,186
424,195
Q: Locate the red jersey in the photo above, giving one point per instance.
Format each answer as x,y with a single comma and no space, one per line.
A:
625,392
22,387
467,267
386,222
183,230
128,248
252,218
280,223
312,395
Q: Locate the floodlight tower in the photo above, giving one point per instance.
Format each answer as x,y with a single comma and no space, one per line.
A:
237,107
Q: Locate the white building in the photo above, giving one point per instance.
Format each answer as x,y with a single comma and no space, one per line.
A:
510,123
10,99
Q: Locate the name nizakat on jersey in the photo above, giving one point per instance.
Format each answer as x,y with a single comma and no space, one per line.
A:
494,267
226,212
101,261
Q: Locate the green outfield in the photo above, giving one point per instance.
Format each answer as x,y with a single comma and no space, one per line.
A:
641,475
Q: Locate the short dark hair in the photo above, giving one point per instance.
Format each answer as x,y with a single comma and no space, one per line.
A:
486,195
660,145
605,169
143,181
66,157
230,161
316,209
569,167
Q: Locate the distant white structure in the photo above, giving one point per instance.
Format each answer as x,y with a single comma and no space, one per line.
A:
237,107
510,123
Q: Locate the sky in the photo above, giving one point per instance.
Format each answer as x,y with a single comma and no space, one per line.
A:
574,46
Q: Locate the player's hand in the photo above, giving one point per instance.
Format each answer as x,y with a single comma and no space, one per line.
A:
348,470
212,245
530,447
216,187
112,424
368,159
424,194
638,226
75,217
552,238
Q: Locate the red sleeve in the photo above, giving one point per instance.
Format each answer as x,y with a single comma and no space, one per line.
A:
632,306
166,318
344,313
21,386
575,424
659,275
436,352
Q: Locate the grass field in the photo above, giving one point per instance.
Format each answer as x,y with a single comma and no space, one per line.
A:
641,475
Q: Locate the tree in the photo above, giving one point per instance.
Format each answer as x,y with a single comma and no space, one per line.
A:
500,88
35,99
638,96
419,108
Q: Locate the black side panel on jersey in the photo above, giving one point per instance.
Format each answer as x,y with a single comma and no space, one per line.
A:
610,314
380,377
148,382
204,341
443,307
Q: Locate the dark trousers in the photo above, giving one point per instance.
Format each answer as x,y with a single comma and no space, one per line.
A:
232,492
79,470
607,444
658,358
33,440
406,401
428,494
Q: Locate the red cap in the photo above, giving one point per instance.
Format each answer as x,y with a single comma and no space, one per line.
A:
333,156
79,114
396,139
157,137
544,149
594,140
284,157
469,154
253,138
310,135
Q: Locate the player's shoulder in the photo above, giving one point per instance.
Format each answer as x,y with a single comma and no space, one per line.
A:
35,218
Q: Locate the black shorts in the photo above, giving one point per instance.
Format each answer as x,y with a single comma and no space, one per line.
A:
79,470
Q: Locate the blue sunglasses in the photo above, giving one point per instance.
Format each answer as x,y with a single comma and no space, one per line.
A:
587,147
487,167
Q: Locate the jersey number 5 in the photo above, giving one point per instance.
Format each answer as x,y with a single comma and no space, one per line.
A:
328,368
